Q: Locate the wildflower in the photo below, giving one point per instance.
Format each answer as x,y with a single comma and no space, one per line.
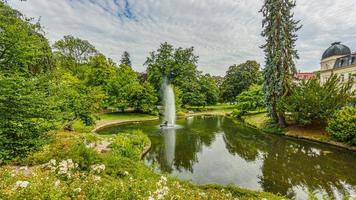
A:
24,168
56,184
98,168
151,198
77,190
21,184
66,166
97,178
126,173
202,194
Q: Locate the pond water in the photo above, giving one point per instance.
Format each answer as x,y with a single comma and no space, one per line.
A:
218,150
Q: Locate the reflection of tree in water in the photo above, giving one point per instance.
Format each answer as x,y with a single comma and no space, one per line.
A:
244,141
189,141
293,163
289,163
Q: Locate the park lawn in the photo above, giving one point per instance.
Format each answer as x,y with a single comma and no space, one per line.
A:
258,120
125,116
74,167
219,109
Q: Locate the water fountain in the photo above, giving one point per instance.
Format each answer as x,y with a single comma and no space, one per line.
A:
169,105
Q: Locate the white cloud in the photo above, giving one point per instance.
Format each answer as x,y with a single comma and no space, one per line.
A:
223,32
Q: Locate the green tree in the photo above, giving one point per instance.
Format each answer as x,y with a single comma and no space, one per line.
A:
312,102
120,87
280,34
75,100
74,49
23,48
100,70
178,65
209,88
252,99
27,116
143,98
238,78
125,59
342,125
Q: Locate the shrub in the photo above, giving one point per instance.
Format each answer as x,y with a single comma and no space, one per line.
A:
313,102
238,113
342,126
27,116
252,99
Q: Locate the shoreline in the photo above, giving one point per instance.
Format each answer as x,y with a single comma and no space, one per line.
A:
107,123
290,134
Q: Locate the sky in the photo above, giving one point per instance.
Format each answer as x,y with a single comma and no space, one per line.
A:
223,32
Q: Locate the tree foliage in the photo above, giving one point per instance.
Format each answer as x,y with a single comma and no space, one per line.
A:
27,116
252,99
238,78
125,59
23,48
280,34
312,102
74,49
180,67
342,125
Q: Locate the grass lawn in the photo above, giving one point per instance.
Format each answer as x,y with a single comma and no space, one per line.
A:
125,116
214,109
257,120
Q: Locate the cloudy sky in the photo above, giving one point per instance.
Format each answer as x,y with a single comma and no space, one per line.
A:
223,32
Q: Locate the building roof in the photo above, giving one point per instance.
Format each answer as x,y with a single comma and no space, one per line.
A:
305,75
336,49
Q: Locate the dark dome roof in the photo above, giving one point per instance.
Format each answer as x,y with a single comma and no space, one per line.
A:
336,49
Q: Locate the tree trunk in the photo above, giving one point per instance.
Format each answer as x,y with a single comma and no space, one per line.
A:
282,120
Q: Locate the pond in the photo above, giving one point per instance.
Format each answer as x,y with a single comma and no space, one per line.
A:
218,150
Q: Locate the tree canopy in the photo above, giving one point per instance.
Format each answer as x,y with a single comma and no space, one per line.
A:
239,78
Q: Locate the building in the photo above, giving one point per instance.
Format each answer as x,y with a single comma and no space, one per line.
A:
338,60
304,76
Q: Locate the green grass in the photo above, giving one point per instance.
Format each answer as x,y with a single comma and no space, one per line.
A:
125,116
257,120
220,108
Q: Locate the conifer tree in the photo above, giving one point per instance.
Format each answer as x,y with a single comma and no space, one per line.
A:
279,30
125,59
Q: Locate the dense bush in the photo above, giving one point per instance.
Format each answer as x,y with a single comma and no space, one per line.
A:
313,102
342,126
252,99
27,116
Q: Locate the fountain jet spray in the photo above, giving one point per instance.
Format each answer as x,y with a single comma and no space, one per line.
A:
169,104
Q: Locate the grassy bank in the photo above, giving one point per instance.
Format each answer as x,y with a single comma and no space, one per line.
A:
313,133
87,166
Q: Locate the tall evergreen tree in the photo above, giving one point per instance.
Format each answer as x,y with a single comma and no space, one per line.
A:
125,59
280,34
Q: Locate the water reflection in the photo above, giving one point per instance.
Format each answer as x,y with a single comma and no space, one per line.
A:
217,150
169,136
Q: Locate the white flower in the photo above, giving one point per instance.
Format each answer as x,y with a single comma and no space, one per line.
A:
77,190
97,178
56,184
66,166
21,184
151,198
126,173
98,168
24,168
